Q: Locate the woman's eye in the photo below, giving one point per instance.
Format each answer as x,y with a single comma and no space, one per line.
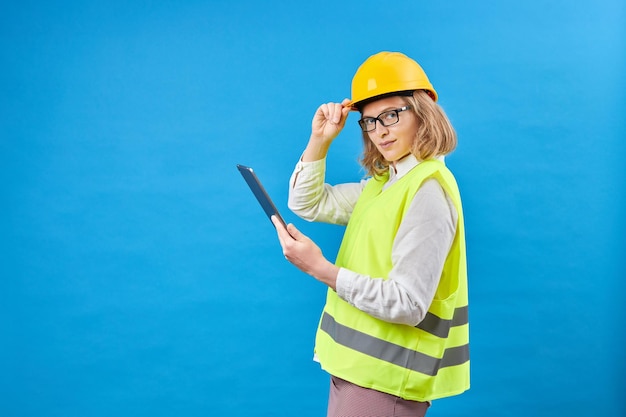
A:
388,116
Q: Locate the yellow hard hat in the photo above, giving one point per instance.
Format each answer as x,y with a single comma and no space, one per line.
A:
388,72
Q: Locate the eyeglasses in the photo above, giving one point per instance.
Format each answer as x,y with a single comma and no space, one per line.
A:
387,118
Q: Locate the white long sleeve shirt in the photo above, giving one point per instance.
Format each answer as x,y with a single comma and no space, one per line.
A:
419,249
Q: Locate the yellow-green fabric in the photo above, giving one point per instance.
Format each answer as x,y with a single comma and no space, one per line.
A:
421,363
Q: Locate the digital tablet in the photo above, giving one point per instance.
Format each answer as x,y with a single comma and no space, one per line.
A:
259,192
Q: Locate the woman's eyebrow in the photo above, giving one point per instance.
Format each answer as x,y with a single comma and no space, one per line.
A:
383,111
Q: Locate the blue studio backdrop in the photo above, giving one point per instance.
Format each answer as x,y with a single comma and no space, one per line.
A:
139,276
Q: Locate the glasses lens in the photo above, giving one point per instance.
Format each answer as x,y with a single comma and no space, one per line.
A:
367,124
389,117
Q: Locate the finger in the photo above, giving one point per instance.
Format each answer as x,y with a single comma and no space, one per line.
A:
278,224
280,230
329,111
322,112
347,104
345,111
294,232
337,113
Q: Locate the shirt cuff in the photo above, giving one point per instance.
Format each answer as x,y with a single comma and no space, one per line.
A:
315,166
345,284
305,172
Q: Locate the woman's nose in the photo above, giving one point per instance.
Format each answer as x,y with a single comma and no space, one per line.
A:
381,130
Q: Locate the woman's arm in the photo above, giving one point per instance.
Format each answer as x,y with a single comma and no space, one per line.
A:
309,197
314,200
419,252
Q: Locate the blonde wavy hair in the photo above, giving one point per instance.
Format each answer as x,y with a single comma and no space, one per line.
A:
435,135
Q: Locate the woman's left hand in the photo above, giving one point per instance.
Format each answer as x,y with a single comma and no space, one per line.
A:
305,254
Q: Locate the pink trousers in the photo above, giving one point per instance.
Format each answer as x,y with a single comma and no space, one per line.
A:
349,400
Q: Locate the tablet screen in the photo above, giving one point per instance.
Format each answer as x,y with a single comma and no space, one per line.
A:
259,192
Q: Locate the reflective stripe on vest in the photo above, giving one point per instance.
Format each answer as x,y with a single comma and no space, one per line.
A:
441,327
392,353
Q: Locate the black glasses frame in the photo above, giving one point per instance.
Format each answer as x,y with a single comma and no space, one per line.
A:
364,126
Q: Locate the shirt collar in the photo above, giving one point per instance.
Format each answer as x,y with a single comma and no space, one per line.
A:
403,166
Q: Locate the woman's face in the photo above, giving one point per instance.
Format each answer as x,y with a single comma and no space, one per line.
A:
393,142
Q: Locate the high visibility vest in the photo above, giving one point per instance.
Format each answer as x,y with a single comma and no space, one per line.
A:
421,363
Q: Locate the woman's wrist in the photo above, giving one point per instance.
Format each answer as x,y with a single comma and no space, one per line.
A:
315,150
328,274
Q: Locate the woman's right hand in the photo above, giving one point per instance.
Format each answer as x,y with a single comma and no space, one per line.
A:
329,120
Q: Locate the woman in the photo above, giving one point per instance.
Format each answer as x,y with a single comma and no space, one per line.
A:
394,330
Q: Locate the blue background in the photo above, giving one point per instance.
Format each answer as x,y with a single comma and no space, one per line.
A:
139,277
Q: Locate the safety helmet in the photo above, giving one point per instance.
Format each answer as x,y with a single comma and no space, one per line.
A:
388,73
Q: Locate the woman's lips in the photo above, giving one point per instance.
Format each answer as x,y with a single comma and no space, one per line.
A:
386,143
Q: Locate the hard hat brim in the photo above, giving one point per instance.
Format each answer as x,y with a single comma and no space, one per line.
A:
361,103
